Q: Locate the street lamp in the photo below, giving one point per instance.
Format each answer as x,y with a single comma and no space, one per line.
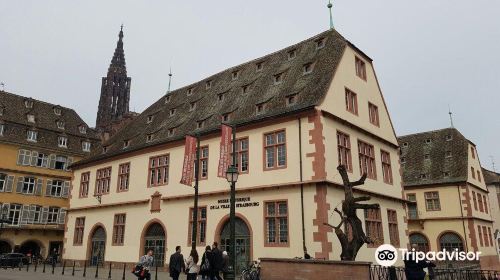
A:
232,177
232,174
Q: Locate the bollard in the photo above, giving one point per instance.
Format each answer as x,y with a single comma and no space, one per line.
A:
156,272
44,266
109,273
97,270
20,266
85,268
36,264
53,266
124,266
73,271
28,267
64,267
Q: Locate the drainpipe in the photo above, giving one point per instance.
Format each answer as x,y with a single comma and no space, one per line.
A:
463,220
302,189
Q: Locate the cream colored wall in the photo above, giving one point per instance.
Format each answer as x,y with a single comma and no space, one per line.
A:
449,198
475,163
367,91
432,229
478,213
494,205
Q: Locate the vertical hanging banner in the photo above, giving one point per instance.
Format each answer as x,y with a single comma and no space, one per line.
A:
189,158
225,150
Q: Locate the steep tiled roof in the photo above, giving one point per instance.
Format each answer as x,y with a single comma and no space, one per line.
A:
491,177
260,85
14,117
442,160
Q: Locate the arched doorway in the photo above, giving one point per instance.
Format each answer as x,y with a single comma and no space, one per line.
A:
242,235
420,240
155,239
97,246
451,241
5,247
31,247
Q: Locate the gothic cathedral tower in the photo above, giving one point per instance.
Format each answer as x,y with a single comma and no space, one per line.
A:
115,92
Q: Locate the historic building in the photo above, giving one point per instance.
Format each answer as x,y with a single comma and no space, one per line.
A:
443,180
113,112
492,180
38,141
299,113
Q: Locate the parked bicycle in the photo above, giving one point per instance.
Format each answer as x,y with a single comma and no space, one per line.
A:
252,272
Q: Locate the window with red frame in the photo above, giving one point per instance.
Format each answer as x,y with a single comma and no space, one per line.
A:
490,236
367,159
84,184
103,179
202,226
242,160
344,150
392,217
119,229
386,167
351,102
432,202
485,200
485,235
480,233
276,223
275,149
373,114
479,175
158,170
79,228
360,68
123,177
203,162
475,200
373,225
480,202
473,172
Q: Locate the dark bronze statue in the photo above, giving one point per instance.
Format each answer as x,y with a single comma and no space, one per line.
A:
348,216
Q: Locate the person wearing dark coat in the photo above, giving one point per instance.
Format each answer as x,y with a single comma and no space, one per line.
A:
176,264
414,270
209,258
218,260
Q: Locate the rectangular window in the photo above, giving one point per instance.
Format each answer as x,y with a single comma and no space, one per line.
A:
62,142
472,152
373,224
24,157
480,202
373,114
3,182
360,68
31,135
53,215
344,150
490,236
79,228
42,160
86,146
275,150
119,229
202,226
2,128
103,179
473,172
276,223
61,163
480,233
28,185
485,235
485,200
386,167
123,177
84,184
55,189
479,175
475,200
158,170
432,201
241,155
351,101
392,218
36,211
203,168
367,159
15,214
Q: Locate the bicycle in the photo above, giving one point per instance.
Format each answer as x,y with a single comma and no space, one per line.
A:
252,272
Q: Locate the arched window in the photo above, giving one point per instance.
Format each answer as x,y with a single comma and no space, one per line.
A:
155,239
451,241
420,240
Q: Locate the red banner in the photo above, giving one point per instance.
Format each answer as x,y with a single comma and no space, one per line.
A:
189,158
225,150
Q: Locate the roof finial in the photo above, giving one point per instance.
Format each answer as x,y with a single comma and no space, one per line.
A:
169,79
451,116
121,27
493,163
331,17
120,35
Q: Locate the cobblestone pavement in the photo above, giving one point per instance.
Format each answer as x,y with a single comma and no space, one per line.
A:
15,274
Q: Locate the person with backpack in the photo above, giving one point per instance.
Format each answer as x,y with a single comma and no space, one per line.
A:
207,263
192,267
143,266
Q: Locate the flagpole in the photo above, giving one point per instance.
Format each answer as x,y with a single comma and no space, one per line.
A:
196,181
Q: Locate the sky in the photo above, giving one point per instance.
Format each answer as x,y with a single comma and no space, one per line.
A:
428,55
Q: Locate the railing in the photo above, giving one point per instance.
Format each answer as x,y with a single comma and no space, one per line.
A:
398,273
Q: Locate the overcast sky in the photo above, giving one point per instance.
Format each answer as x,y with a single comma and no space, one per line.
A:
428,54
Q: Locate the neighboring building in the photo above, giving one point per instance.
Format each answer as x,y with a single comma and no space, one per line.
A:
492,180
299,112
38,141
113,113
442,176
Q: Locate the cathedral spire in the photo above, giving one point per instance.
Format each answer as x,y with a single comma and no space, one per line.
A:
118,61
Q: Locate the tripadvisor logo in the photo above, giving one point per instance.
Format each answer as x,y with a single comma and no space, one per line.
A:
387,255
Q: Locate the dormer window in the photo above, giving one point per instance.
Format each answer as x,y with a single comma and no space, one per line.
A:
167,99
57,111
86,146
403,160
32,135
446,174
449,137
427,156
291,100
244,89
31,118
259,66
28,104
225,117
60,124
259,108
82,129
220,96
448,154
150,119
423,176
190,91
278,78
200,124
292,54
307,68
105,149
320,43
428,141
192,106
405,144
2,109
62,141
235,75
149,137
172,112
2,129
208,84
171,132
126,143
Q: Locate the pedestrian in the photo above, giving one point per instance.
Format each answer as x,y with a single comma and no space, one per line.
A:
176,263
145,263
415,270
54,256
217,267
225,264
207,262
192,267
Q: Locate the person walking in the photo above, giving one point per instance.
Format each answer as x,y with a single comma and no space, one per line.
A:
146,262
415,270
192,267
207,263
217,267
176,263
225,264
